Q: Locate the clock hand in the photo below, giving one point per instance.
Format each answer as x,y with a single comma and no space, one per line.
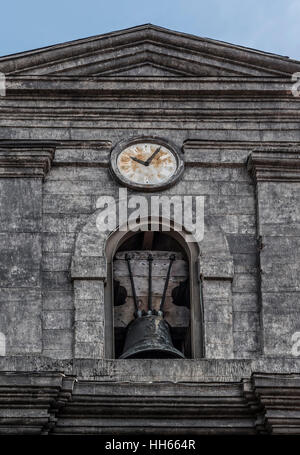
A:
148,161
138,161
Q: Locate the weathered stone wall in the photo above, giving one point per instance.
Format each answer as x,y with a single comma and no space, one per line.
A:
279,223
21,213
230,204
78,177
217,114
275,172
21,248
70,196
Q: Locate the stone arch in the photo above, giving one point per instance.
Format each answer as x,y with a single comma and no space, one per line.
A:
89,258
90,269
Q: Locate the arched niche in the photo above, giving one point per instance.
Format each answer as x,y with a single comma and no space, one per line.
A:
192,253
210,265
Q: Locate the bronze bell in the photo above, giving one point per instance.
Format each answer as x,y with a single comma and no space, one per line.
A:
148,337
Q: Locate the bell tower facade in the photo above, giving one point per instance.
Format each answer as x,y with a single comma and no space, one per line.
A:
150,187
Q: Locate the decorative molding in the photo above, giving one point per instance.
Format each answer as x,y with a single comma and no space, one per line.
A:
164,408
25,159
29,402
35,158
275,165
49,402
146,45
99,87
276,399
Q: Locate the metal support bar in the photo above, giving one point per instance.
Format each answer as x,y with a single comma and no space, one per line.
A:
172,258
127,258
150,261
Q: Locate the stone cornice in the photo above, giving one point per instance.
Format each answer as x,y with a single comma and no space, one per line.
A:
34,398
25,159
110,86
51,402
276,400
275,165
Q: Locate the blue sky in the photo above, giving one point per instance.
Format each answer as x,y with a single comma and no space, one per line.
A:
269,25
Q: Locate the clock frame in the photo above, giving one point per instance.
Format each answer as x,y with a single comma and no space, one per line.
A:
123,180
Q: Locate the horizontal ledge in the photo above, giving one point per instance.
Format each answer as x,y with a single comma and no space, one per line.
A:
180,86
275,164
61,144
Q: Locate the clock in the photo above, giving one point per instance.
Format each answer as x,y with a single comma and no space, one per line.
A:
146,164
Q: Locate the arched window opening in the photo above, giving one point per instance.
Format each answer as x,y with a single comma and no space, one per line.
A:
93,276
151,297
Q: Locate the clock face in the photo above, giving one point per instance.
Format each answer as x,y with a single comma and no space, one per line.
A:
147,164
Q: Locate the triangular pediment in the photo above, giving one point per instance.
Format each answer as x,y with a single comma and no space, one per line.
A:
147,50
143,69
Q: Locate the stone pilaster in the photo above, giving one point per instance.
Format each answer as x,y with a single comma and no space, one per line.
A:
277,176
22,169
89,319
